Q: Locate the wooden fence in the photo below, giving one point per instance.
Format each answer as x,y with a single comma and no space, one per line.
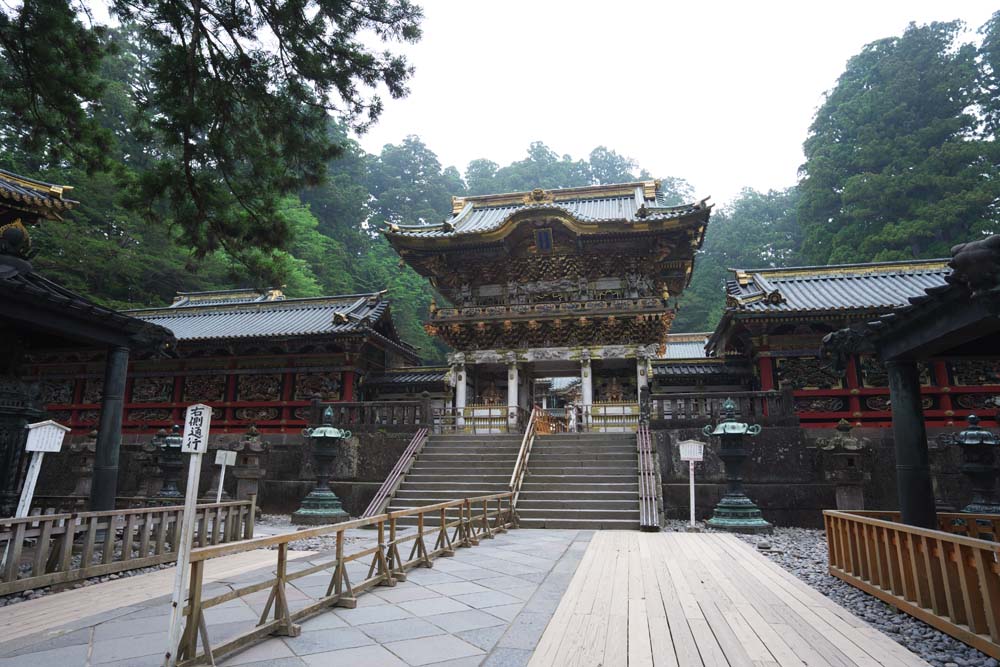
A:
649,514
946,580
683,410
53,549
479,517
375,415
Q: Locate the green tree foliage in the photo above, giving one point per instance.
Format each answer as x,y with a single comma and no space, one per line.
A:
234,101
896,164
758,230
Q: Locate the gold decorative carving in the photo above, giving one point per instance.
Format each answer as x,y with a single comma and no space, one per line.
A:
204,388
324,386
259,387
257,414
538,196
152,389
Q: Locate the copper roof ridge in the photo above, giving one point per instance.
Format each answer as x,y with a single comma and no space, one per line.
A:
257,305
835,269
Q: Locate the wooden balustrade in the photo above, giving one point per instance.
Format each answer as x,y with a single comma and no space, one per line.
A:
479,418
523,454
395,478
978,526
52,549
681,410
947,580
479,517
649,514
374,415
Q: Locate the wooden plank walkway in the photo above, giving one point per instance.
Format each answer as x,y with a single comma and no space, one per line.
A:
52,611
685,599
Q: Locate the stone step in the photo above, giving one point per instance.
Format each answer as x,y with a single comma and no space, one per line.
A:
580,524
568,487
476,440
475,478
574,503
472,449
626,453
458,489
447,467
485,456
586,437
631,514
582,449
587,492
548,471
603,478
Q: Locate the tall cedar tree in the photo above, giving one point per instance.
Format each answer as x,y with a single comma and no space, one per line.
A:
896,166
236,100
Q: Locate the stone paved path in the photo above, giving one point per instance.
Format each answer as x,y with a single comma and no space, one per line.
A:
488,605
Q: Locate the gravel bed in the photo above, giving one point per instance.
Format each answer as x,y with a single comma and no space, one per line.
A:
803,552
282,523
35,593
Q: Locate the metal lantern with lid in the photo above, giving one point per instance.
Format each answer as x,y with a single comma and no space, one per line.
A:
322,505
735,512
979,447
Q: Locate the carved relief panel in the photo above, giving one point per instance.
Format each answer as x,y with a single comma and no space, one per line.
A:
152,389
975,373
324,386
806,373
92,390
204,388
259,387
56,391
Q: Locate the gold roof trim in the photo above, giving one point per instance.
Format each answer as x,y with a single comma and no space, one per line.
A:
745,276
540,195
44,188
688,337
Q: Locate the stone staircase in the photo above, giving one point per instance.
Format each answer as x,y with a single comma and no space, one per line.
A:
456,466
581,480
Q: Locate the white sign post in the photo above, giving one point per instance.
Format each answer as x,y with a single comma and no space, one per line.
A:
46,436
692,451
223,457
196,425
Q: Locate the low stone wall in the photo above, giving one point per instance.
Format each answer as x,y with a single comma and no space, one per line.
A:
366,461
785,474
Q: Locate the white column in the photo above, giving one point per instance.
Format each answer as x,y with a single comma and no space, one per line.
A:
586,389
460,386
641,375
512,387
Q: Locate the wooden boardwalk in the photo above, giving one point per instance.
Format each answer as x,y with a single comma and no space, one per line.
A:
685,599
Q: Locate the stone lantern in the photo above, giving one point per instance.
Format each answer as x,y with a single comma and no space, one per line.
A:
322,505
843,458
979,448
248,472
735,512
170,460
85,469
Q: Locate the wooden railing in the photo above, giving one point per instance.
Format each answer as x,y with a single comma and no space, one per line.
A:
479,418
681,410
374,415
649,515
395,478
51,549
606,417
479,517
949,581
551,421
523,454
978,526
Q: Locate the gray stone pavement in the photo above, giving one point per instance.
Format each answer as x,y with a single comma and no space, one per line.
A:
487,605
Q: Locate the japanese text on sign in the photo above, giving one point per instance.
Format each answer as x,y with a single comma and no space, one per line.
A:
196,425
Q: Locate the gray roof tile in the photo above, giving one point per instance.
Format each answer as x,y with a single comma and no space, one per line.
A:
878,286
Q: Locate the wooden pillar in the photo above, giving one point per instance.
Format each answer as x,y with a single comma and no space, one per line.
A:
766,367
940,370
854,402
109,432
348,390
913,474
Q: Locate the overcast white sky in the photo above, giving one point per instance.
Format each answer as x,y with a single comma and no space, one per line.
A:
719,93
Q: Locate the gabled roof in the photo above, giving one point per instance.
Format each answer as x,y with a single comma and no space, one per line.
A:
410,376
624,203
25,194
329,315
223,297
686,345
875,287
